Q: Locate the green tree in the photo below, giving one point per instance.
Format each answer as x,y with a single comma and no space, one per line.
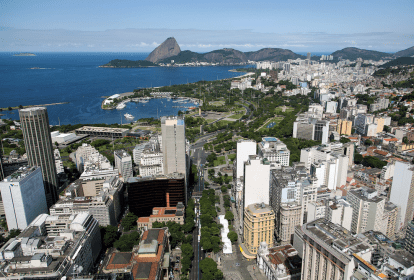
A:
129,221
110,236
229,216
344,140
223,189
9,108
368,142
232,236
14,232
187,250
127,242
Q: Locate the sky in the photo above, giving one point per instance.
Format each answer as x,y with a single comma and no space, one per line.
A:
202,26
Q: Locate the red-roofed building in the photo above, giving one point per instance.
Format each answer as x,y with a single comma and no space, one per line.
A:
148,261
162,214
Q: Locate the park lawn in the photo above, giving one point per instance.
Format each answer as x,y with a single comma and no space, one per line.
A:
224,122
220,161
152,128
63,153
231,157
236,117
210,120
217,103
276,120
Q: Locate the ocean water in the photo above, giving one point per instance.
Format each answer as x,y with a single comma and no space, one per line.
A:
77,79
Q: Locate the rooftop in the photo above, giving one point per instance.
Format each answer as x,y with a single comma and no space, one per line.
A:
102,129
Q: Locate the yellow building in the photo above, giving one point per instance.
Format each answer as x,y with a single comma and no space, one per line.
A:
344,127
380,124
259,226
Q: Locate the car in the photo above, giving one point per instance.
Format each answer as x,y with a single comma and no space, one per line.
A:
237,264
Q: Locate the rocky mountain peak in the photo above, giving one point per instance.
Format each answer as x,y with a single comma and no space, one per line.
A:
167,49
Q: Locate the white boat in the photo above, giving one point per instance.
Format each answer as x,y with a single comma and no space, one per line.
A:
128,116
120,106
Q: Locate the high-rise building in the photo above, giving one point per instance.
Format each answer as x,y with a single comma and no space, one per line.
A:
1,166
409,238
259,223
367,210
256,181
290,216
340,212
38,143
23,197
245,148
344,127
123,162
308,56
156,191
329,251
173,145
402,192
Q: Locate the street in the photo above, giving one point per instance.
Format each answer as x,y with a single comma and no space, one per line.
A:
195,273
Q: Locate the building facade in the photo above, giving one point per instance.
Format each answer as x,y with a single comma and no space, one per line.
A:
259,223
123,162
173,145
23,197
39,149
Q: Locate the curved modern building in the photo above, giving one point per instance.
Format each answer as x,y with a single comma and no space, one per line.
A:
38,143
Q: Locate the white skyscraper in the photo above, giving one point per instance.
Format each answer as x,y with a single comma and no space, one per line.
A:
256,181
245,148
402,192
173,145
23,197
123,162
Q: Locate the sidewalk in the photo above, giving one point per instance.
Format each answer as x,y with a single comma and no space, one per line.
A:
256,273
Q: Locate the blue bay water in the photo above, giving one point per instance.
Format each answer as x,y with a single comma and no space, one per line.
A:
77,79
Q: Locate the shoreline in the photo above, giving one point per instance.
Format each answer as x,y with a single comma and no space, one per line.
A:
29,106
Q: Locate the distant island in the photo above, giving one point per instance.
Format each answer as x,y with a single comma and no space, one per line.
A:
170,54
124,63
24,54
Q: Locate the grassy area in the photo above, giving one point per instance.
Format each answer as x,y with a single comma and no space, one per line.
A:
224,122
231,157
236,117
220,161
7,150
217,103
63,153
276,120
152,128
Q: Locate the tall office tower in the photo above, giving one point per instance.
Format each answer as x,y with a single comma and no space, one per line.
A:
308,56
402,192
321,131
409,238
245,148
173,139
367,210
256,181
38,143
23,197
123,162
1,166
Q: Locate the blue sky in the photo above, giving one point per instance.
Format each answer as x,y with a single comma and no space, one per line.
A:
139,26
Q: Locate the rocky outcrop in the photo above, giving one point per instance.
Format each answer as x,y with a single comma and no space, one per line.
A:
167,49
225,56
